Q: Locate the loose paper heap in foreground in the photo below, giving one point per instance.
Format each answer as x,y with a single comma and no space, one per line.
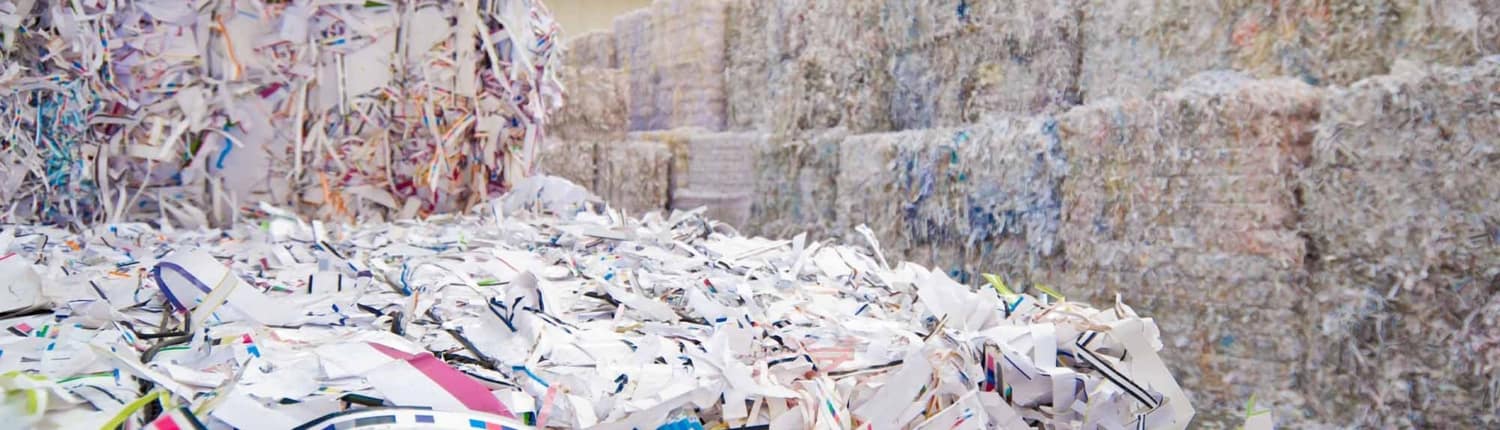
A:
544,308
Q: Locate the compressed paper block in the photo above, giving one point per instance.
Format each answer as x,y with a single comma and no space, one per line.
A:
676,142
732,207
593,49
635,174
574,160
971,200
1188,198
1135,48
594,107
1400,206
794,184
634,50
831,67
722,162
1340,42
1138,47
749,53
1013,57
720,174
683,68
867,191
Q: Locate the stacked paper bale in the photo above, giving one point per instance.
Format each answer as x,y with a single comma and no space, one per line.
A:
831,68
1401,208
1340,42
634,175
1189,190
633,50
957,60
1135,48
676,142
720,175
794,184
749,45
574,160
688,57
868,188
1139,47
978,199
593,49
594,107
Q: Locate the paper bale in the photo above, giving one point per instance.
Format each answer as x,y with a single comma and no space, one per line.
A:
1136,48
1014,57
831,69
687,59
634,175
979,199
1401,210
720,174
594,107
634,51
574,160
1187,201
593,49
794,184
677,144
749,53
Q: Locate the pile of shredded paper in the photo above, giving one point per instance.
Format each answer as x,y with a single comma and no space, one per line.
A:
544,309
138,110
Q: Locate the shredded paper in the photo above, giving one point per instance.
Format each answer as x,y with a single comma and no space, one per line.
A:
119,111
541,309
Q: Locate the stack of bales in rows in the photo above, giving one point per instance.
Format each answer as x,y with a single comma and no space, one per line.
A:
1401,207
1185,204
977,199
1140,47
955,61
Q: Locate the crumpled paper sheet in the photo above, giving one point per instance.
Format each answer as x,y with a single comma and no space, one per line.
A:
123,111
571,317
